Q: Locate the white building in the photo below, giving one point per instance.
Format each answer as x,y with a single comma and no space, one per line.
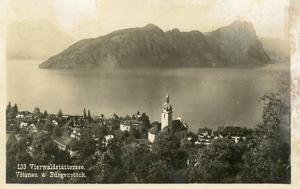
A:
55,122
76,133
166,114
125,127
23,124
236,139
107,138
32,127
151,137
19,116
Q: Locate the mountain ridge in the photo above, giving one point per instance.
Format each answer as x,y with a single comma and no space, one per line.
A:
150,46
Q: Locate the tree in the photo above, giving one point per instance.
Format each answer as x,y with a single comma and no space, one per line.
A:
84,113
137,159
16,154
11,162
106,166
15,109
185,143
45,113
158,173
220,162
205,129
57,132
143,128
193,136
89,115
62,157
60,113
86,146
12,113
8,107
104,170
43,149
268,160
115,123
165,147
36,111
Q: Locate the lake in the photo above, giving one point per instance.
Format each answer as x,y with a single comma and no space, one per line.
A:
209,97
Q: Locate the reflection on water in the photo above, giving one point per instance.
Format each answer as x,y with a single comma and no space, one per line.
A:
201,96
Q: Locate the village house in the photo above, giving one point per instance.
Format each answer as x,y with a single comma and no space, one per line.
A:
107,139
152,133
131,122
137,115
25,114
23,124
63,145
236,139
97,140
19,116
76,133
54,122
32,128
205,135
125,125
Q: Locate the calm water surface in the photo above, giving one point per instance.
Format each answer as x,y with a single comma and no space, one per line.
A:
201,96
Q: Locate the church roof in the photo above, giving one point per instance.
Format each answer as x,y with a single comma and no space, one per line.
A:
177,125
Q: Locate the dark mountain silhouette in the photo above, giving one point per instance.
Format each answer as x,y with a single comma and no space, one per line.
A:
149,46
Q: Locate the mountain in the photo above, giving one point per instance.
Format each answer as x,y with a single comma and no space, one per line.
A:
23,41
237,43
277,49
149,46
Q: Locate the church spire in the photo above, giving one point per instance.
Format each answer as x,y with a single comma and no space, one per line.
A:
166,114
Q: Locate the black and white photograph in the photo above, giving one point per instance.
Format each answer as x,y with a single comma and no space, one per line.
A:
148,92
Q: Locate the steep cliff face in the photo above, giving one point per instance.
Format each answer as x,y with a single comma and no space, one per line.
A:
191,48
149,46
145,46
237,43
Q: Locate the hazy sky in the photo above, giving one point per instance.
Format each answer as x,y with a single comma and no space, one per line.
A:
91,18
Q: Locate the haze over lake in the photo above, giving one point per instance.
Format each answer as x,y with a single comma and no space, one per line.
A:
209,97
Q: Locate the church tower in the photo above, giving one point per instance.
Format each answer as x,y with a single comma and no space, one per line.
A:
166,114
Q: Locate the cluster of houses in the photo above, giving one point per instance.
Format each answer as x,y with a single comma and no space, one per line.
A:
206,135
29,121
78,125
131,121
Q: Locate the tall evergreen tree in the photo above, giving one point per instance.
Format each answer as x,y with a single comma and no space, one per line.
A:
84,113
8,106
15,110
89,115
36,110
45,113
60,113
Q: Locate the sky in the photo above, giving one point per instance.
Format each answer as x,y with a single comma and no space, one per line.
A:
91,18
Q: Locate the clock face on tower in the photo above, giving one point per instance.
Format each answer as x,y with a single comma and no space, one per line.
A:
167,107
